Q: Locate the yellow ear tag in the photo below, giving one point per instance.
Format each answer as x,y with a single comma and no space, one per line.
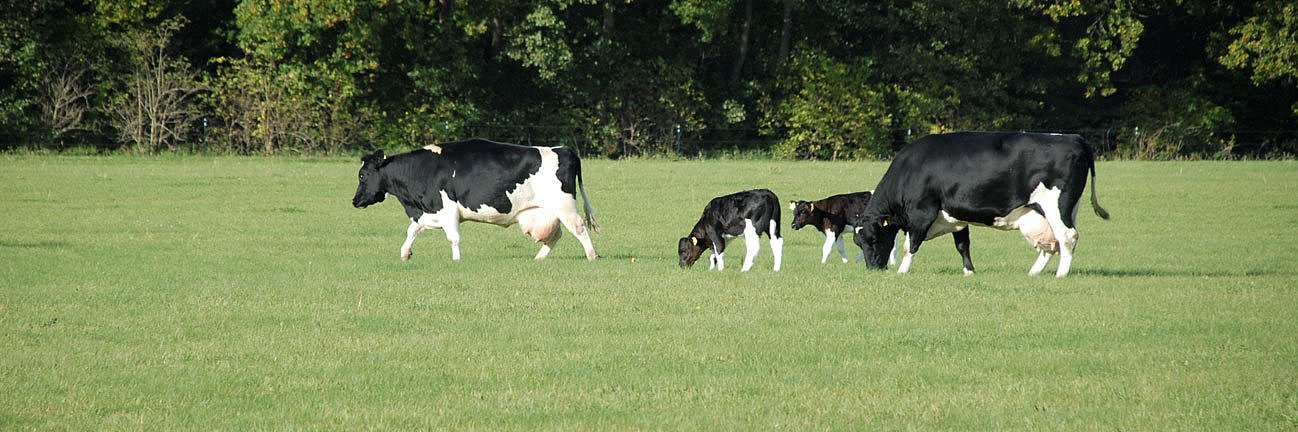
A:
694,241
811,207
885,222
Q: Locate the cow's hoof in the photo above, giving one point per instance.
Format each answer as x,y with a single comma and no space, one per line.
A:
406,256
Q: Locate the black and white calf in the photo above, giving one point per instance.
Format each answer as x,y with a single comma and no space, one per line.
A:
831,217
725,217
483,181
941,184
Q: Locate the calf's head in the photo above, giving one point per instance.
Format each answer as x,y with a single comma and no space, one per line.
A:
802,211
875,234
370,190
690,249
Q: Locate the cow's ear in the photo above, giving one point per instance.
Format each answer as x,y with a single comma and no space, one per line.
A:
375,157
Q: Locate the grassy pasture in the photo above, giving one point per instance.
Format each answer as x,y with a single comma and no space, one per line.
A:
242,293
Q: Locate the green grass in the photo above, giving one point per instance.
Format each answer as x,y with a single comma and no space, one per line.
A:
240,293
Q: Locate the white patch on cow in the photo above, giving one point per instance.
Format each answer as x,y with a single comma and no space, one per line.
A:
433,148
944,224
906,256
751,245
1066,237
447,219
777,245
830,240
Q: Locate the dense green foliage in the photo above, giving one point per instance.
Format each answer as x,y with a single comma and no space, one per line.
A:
823,79
241,293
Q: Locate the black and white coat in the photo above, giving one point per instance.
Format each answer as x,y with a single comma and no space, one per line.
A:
748,214
482,181
940,184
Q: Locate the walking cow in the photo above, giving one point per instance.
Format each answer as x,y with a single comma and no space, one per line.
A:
941,184
483,181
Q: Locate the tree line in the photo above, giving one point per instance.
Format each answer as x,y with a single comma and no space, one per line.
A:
793,78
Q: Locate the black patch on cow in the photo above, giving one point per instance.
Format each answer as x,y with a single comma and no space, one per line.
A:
471,172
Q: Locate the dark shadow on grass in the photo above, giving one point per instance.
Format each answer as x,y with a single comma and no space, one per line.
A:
33,245
1148,272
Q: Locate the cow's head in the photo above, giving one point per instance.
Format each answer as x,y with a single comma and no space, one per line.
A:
875,234
802,211
370,190
690,249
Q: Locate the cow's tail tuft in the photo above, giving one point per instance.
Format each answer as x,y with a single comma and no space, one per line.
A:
590,211
1095,203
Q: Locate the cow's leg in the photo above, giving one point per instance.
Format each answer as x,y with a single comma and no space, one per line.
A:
411,233
547,244
573,223
1042,259
719,254
828,247
962,245
751,245
777,245
920,221
892,255
905,255
452,228
1067,237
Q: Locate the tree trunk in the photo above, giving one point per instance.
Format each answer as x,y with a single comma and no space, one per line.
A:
743,40
786,30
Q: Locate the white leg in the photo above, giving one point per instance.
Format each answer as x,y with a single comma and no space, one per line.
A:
573,222
1042,259
892,255
721,261
751,245
829,246
452,229
777,251
712,260
547,245
905,262
411,233
1062,234
905,256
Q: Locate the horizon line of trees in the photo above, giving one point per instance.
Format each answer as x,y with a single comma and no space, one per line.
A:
798,79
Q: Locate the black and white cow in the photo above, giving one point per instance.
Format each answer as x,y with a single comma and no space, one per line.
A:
941,184
829,216
482,181
725,217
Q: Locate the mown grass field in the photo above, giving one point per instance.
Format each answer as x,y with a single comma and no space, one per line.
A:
241,293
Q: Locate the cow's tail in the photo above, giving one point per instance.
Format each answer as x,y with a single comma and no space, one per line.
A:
1095,203
590,211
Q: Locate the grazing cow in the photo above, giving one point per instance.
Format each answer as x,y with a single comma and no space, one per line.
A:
830,216
941,184
730,216
482,181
